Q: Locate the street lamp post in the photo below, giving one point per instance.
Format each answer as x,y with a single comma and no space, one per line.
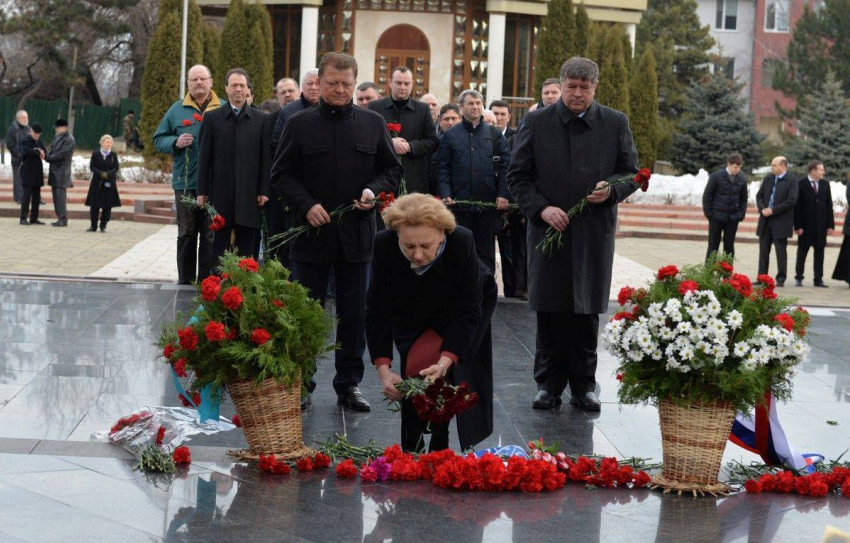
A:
183,49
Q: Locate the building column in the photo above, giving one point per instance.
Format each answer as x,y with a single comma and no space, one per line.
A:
309,38
495,56
631,30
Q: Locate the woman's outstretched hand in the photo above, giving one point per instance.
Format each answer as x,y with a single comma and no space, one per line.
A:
388,381
432,373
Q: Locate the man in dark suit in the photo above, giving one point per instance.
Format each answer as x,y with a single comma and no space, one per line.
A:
569,288
814,220
330,156
60,157
233,167
32,153
776,199
418,136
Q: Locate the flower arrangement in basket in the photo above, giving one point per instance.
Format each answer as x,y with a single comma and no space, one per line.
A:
703,343
257,335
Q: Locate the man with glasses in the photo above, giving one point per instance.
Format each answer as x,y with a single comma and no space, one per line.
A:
177,135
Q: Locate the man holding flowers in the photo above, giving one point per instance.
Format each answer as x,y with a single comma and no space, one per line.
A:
568,287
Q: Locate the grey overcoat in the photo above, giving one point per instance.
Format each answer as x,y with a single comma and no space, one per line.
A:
60,157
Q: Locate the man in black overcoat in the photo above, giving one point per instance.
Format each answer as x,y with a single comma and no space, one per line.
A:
814,220
776,199
561,153
418,137
724,204
329,157
31,152
233,167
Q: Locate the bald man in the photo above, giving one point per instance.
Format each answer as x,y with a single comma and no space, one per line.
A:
433,106
776,199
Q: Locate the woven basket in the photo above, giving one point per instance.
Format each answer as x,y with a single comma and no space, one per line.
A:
270,414
693,438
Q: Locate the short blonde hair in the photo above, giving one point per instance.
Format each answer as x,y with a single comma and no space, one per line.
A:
419,210
105,137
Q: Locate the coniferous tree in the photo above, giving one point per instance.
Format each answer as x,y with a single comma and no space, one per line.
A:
824,125
643,101
211,38
715,126
555,42
260,62
626,45
161,80
613,75
582,30
235,44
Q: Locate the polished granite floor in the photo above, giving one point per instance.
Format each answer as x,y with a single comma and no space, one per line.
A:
75,356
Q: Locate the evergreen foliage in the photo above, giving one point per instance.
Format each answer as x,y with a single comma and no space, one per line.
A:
824,124
613,88
555,42
211,37
643,101
260,62
716,126
235,45
582,30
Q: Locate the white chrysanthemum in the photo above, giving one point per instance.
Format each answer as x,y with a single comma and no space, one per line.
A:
736,319
713,308
684,328
748,365
656,310
687,353
703,346
667,334
657,354
741,349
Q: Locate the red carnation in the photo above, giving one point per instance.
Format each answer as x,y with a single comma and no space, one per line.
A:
280,468
266,462
620,377
249,264
768,482
231,334
394,128
768,294
260,336
742,284
168,351
784,482
188,338
187,122
197,117
766,280
180,367
210,287
641,479
182,455
624,315
236,422
278,304
196,398
641,179
752,486
625,294
688,286
346,469
321,461
232,298
214,331
217,223
160,435
667,271
786,320
304,464
183,400
726,267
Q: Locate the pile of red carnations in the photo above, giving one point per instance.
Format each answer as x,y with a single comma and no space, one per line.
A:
440,401
814,484
271,464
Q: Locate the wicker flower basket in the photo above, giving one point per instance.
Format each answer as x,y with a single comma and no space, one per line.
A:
270,414
693,439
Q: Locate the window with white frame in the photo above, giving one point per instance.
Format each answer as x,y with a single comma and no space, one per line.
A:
776,15
727,15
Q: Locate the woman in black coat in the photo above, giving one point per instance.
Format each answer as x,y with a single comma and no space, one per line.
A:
427,281
842,267
103,190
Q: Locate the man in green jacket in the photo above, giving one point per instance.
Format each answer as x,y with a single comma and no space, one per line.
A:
177,135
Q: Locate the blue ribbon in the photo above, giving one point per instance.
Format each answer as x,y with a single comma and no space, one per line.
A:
210,406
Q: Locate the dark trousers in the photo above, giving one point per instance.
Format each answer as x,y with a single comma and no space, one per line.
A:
781,244
194,241
104,213
512,244
352,281
30,200
566,352
277,222
727,230
414,429
484,225
803,253
239,239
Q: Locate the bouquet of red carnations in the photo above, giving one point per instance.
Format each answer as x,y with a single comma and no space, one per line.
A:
436,402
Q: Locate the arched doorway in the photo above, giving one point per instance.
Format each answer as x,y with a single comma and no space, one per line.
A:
403,45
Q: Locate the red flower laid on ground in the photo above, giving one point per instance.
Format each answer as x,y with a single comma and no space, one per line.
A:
272,465
346,469
160,435
260,336
214,331
321,461
180,367
168,351
304,464
249,264
129,420
182,455
188,338
217,223
232,298
368,474
236,422
688,286
667,271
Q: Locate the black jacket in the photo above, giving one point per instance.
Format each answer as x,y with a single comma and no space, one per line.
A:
725,198
781,223
283,115
32,170
14,137
472,163
417,127
813,213
234,160
329,155
103,191
455,298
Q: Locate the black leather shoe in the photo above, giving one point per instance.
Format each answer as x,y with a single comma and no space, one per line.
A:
38,222
545,400
60,222
588,402
798,282
306,401
821,284
91,229
103,229
24,222
353,400
780,284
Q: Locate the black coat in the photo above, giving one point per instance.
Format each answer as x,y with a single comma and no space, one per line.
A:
32,169
813,213
558,158
846,229
14,137
417,127
725,197
781,223
472,163
100,195
283,115
234,160
455,298
329,155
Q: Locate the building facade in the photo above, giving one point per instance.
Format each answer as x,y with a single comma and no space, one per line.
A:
450,45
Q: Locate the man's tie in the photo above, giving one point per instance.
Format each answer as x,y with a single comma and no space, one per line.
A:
815,186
